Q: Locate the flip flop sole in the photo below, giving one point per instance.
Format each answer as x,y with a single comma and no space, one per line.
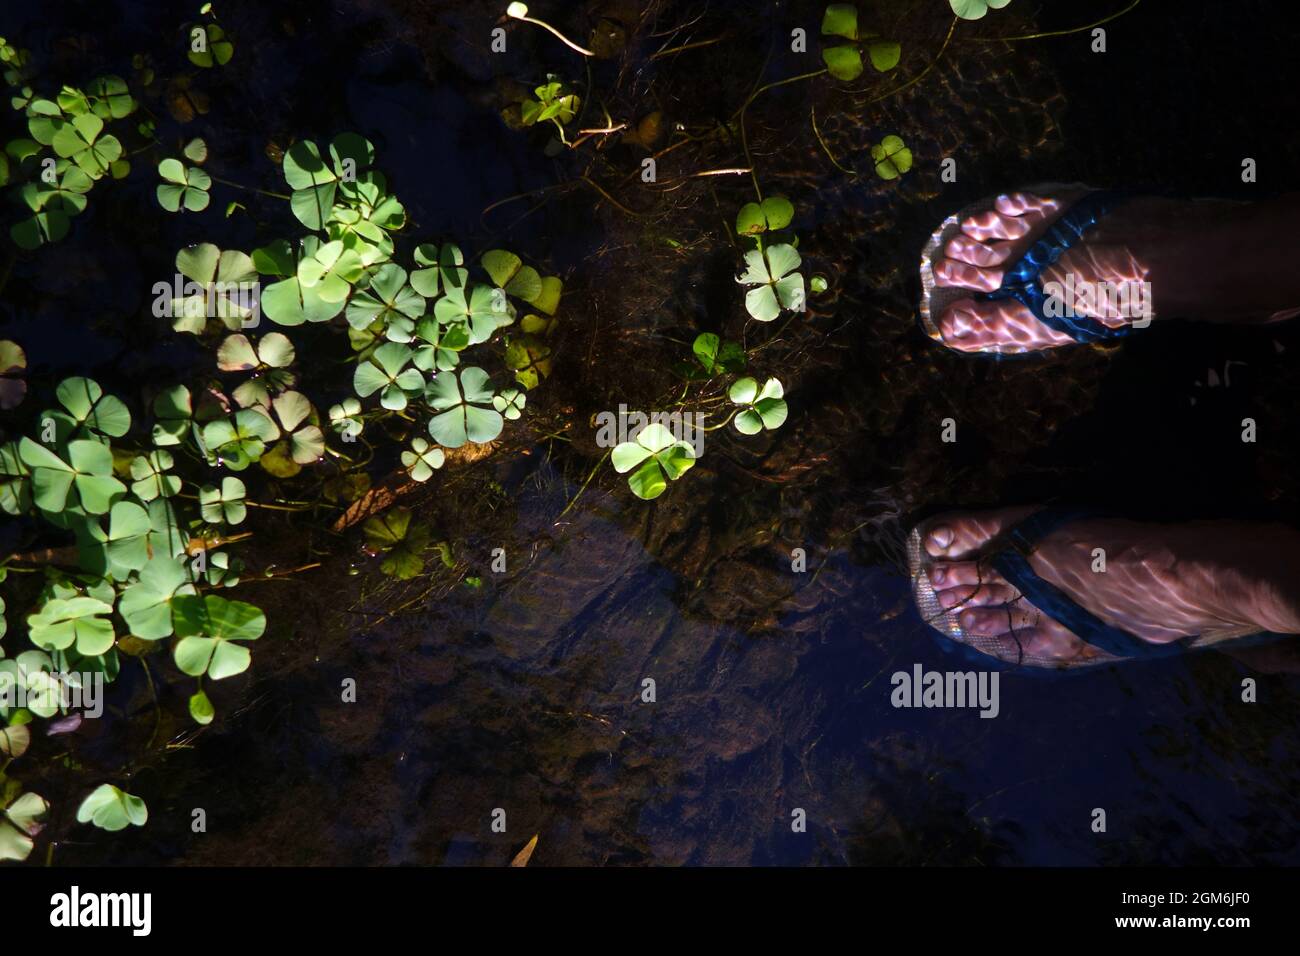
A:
935,298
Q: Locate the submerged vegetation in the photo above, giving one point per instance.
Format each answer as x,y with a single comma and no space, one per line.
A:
345,360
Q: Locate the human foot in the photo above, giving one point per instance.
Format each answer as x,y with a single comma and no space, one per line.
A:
1160,583
1144,258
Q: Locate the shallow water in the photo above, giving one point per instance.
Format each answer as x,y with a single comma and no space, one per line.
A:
772,688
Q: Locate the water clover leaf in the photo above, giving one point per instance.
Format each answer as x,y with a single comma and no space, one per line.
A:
214,47
150,478
440,346
173,410
975,9
201,709
510,402
461,404
111,809
664,459
314,184
224,505
47,226
208,628
892,157
773,213
146,604
844,62
67,194
778,285
32,672
387,298
237,353
109,97
183,187
224,280
714,355
18,826
331,271
391,534
79,140
88,471
239,441
345,418
386,369
444,265
15,481
90,407
303,442
79,622
126,546
761,408
422,460
509,273
530,359
289,302
483,312
196,150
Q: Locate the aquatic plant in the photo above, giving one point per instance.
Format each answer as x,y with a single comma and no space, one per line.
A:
112,809
892,157
844,61
776,284
657,457
183,187
975,9
760,407
20,815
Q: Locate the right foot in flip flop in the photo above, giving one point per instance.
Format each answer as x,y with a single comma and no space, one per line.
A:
1144,258
1161,583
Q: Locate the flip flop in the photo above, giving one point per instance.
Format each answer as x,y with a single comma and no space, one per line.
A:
1009,555
1021,281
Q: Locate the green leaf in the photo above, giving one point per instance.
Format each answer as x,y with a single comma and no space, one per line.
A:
841,20
843,62
201,709
208,627
112,809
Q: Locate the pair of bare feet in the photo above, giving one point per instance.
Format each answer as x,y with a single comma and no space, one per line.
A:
1205,260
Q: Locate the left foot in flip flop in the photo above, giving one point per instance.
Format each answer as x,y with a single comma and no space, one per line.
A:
1160,583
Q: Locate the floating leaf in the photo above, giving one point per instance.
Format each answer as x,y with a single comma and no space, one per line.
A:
461,404
112,809
661,458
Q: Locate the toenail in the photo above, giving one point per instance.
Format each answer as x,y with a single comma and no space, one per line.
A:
942,536
937,575
968,619
947,598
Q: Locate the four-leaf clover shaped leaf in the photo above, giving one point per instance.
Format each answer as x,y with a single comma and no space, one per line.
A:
975,9
88,471
208,628
892,157
150,478
146,604
239,441
422,460
183,187
224,505
844,62
762,408
386,369
112,809
463,415
77,622
778,286
660,456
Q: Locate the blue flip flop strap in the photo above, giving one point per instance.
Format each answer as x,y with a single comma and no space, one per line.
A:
1013,564
1021,281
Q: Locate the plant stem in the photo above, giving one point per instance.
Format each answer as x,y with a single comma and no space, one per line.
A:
1060,33
251,189
574,500
556,33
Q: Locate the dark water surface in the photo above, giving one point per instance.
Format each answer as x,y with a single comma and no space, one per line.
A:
772,687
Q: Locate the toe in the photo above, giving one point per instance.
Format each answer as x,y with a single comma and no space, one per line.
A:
948,574
992,621
965,249
991,224
950,272
977,595
1026,204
